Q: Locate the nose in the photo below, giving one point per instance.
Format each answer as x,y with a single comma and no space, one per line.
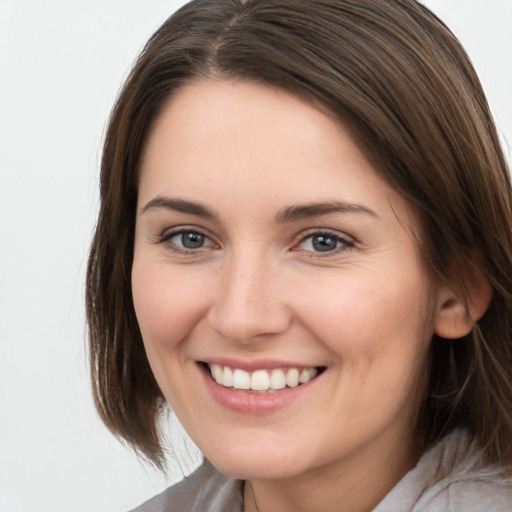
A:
250,300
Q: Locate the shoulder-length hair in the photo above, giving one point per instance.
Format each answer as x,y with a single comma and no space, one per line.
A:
400,81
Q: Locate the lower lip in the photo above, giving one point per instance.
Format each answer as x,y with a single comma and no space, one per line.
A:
254,403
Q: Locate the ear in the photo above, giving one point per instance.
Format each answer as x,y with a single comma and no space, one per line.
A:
454,318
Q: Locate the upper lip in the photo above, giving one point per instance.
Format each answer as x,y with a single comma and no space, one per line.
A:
261,364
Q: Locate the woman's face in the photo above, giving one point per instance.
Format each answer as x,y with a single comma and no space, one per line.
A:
267,251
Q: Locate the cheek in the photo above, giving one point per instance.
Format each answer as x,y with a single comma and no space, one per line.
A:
368,315
375,330
167,308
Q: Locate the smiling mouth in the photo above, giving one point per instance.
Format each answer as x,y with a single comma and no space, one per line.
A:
262,381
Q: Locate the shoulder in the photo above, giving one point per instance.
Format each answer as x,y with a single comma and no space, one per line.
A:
205,490
451,477
471,496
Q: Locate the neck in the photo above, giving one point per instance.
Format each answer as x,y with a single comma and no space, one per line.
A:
357,485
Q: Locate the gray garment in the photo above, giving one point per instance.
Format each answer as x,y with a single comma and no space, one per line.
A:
450,477
205,490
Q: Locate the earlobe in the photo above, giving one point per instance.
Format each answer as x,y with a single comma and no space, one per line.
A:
455,318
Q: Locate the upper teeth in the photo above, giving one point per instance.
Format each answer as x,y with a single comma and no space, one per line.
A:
261,380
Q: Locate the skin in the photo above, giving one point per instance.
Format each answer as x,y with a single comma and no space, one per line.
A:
257,290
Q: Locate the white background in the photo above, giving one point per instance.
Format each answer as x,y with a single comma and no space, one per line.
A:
61,66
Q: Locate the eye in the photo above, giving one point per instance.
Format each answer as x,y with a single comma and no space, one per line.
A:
186,240
323,242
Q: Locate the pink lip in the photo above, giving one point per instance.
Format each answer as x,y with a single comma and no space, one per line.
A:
254,403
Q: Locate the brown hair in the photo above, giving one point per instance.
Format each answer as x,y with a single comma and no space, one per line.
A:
398,78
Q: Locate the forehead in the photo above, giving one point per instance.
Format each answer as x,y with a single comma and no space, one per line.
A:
202,113
216,139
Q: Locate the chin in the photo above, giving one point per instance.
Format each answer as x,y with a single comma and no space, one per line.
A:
259,465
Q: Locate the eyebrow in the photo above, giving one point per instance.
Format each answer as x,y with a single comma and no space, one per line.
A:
288,214
307,211
180,205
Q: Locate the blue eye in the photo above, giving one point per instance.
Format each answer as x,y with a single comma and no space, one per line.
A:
323,242
188,240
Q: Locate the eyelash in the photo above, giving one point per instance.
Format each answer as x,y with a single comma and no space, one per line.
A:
344,243
166,238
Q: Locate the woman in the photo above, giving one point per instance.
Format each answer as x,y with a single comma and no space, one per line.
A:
304,249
